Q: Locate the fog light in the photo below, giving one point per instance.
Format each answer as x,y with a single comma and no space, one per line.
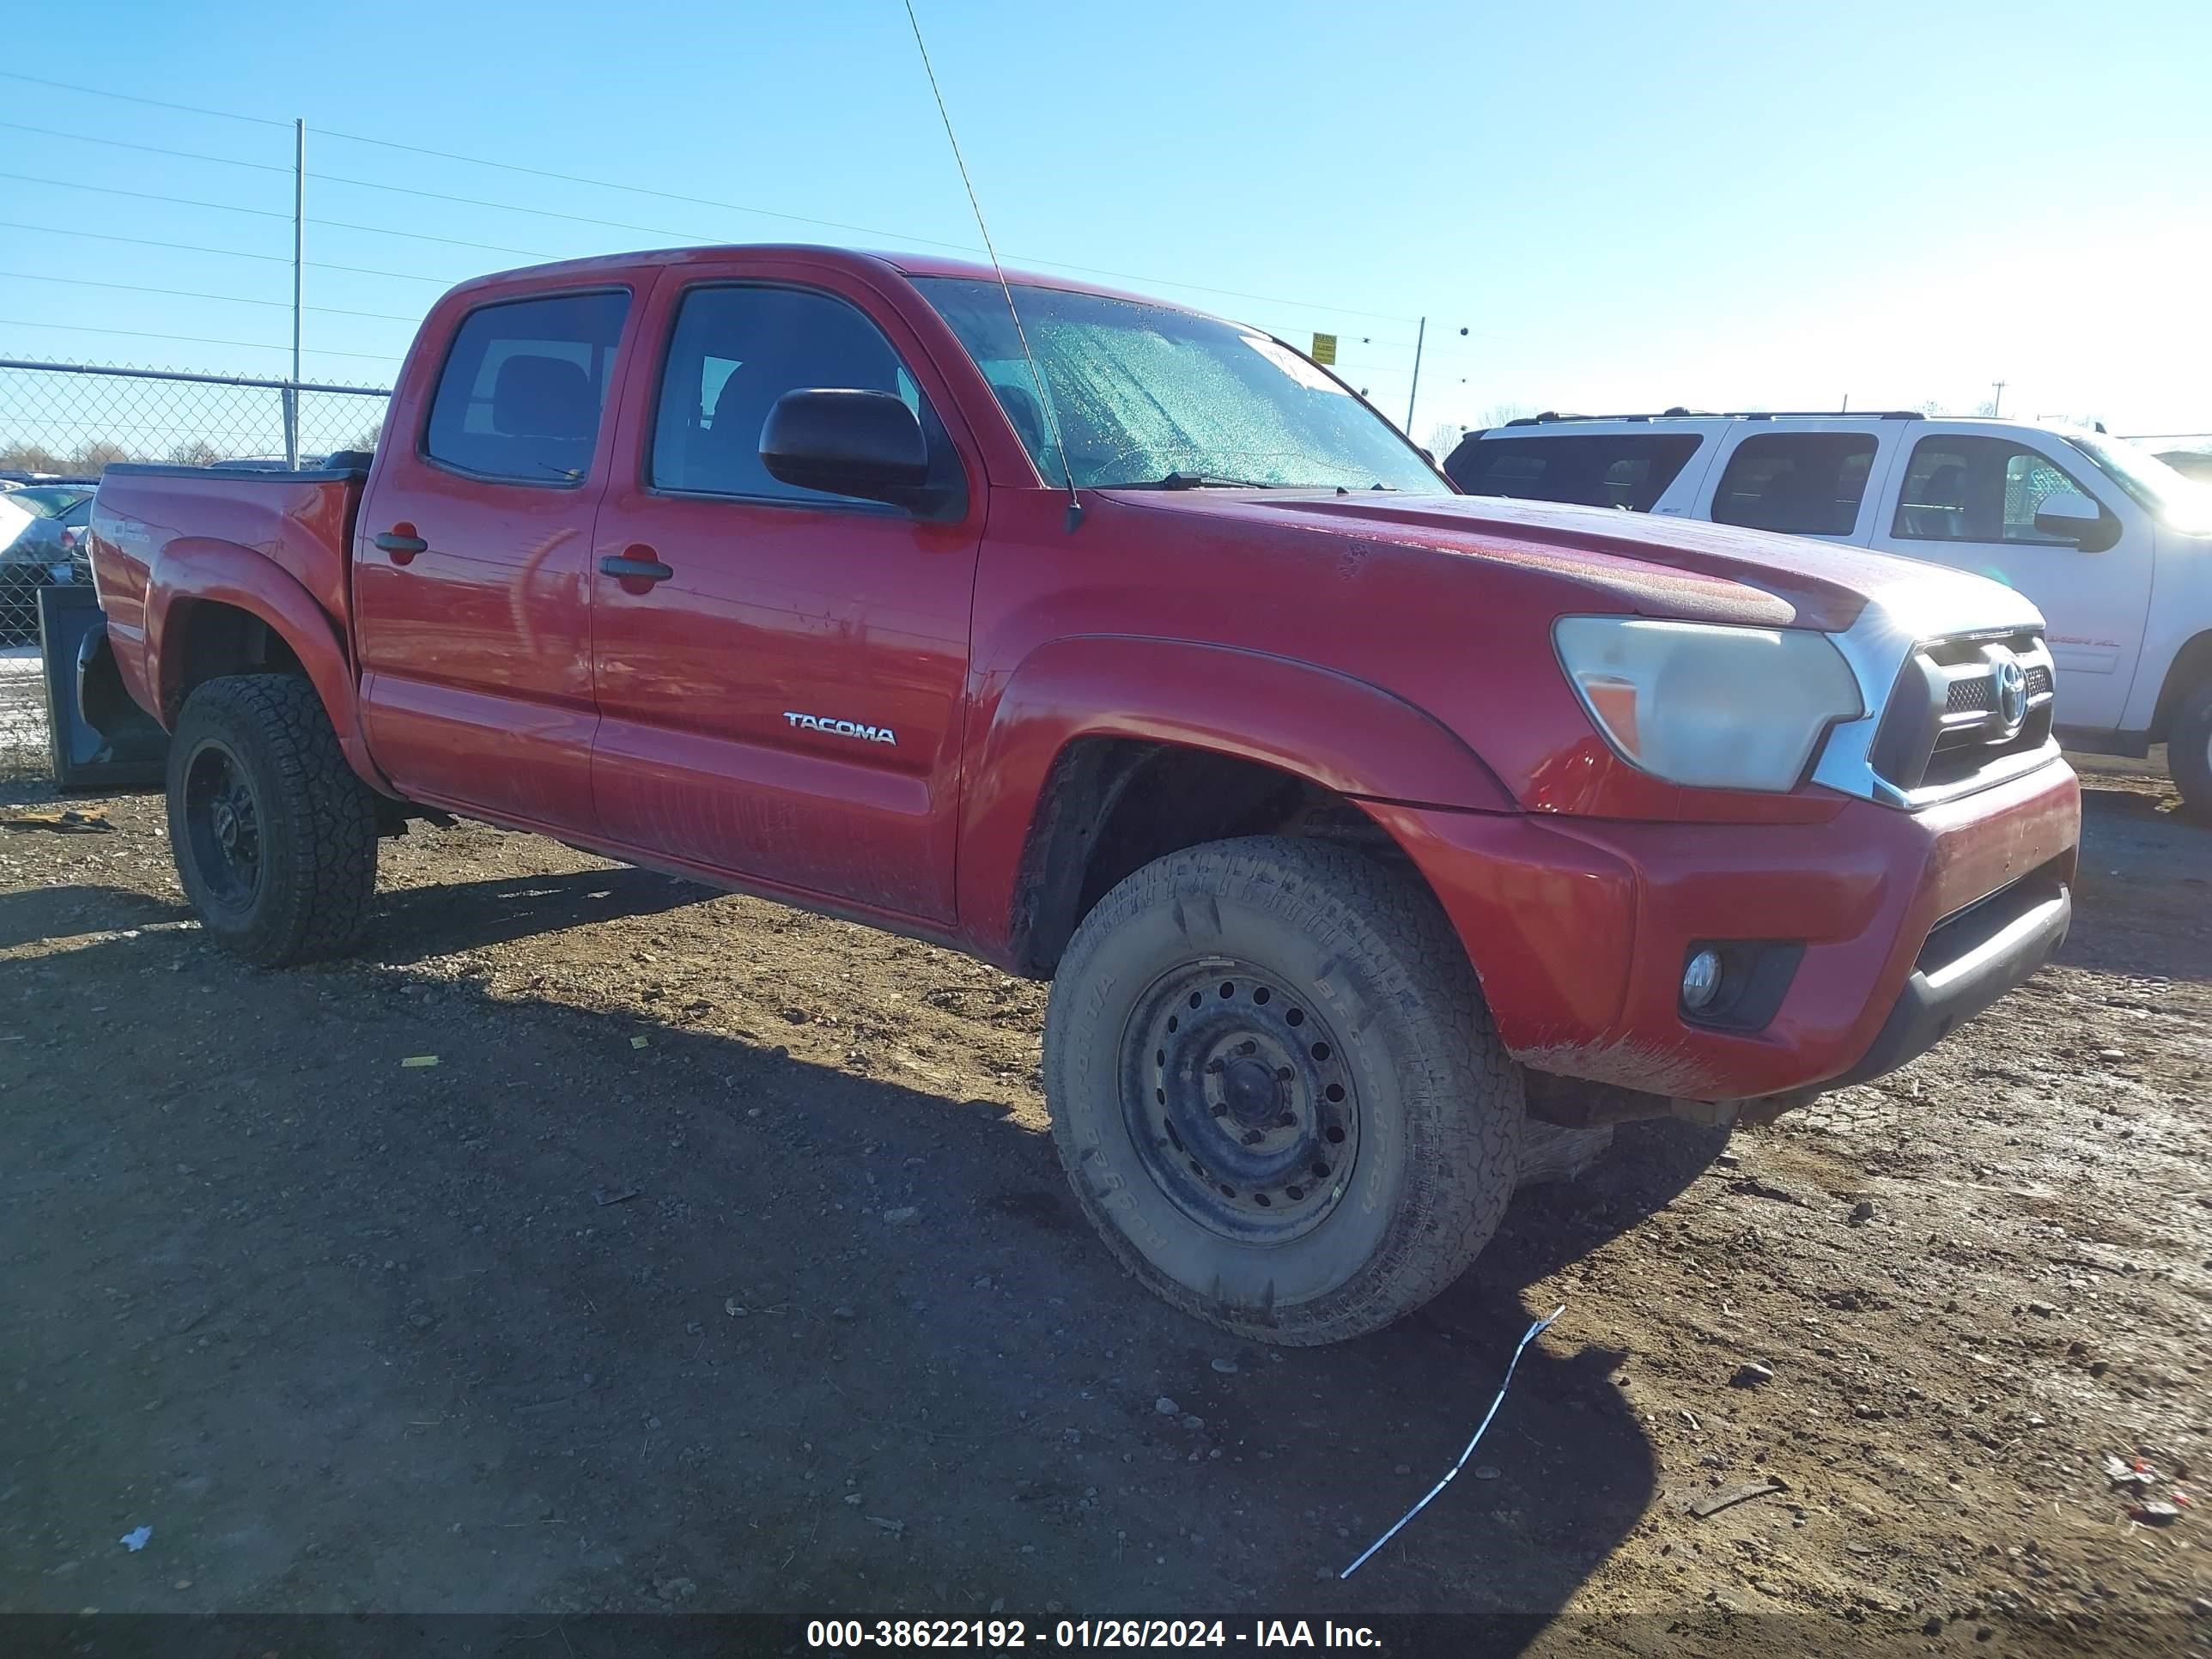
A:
1701,980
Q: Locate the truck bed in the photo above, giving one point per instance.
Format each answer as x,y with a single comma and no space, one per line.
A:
302,522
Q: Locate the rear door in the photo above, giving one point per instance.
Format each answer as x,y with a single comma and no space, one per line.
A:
784,704
1809,478
1967,497
471,566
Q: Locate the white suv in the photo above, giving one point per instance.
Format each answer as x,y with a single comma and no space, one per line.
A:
2111,545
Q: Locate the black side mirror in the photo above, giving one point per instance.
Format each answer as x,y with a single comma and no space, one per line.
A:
847,441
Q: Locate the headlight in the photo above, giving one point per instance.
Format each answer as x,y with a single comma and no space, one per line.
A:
1709,707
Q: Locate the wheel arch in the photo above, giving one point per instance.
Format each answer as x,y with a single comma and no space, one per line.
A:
214,608
2191,667
1103,753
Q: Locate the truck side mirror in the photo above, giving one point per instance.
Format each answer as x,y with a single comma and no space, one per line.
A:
2070,516
847,441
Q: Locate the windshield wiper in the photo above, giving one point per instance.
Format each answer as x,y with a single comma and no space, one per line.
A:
1200,481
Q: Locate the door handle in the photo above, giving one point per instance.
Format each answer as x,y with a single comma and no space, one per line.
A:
400,545
627,569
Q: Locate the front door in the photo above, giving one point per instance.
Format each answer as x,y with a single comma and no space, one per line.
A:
780,671
471,584
1969,500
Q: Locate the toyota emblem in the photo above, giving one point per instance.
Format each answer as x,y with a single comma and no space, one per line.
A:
2011,683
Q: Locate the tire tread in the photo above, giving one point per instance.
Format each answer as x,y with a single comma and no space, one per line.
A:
318,894
1458,1190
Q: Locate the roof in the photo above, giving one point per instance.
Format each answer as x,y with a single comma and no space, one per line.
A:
905,263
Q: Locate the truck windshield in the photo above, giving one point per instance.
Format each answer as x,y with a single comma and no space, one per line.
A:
2176,500
1148,397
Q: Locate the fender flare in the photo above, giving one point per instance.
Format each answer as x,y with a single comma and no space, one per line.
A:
194,570
1330,728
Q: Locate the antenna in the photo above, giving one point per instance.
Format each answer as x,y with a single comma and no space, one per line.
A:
1037,378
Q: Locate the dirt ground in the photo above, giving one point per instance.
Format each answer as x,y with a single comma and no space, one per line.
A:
721,1261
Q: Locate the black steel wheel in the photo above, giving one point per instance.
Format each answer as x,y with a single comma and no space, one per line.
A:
1275,1089
274,834
1240,1101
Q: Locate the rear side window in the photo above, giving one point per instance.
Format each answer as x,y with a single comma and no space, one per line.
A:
1803,483
1979,489
1629,470
524,386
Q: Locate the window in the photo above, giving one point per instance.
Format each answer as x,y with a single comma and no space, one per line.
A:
1147,396
1978,490
524,386
1804,483
734,352
1629,470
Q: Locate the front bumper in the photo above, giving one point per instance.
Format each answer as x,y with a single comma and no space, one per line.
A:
1911,923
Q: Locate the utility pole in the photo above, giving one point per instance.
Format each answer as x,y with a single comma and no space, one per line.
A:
299,258
1418,340
1996,403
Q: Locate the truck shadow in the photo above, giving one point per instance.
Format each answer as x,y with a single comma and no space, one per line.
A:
693,1299
412,924
34,915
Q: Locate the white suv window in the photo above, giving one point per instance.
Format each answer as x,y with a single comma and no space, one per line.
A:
1629,470
1978,490
1803,483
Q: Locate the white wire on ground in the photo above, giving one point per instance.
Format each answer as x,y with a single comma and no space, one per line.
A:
1528,1337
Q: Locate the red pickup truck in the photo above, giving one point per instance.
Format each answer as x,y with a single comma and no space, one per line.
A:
1357,822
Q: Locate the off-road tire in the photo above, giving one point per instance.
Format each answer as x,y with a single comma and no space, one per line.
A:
316,820
2189,753
1439,1101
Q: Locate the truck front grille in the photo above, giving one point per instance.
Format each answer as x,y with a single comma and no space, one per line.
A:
1948,729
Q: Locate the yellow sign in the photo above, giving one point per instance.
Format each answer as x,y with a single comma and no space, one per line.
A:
1324,349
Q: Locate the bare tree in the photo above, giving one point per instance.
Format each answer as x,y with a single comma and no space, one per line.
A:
29,458
1502,414
197,452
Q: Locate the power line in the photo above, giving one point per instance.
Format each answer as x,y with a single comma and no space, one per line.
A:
193,339
187,293
641,189
141,241
128,98
224,253
265,213
149,149
146,195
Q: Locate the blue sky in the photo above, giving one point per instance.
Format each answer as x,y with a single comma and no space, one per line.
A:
1623,205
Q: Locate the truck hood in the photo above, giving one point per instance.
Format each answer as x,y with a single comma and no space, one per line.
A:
1655,567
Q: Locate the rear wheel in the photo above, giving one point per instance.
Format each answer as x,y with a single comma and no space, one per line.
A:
274,834
2189,752
1276,1091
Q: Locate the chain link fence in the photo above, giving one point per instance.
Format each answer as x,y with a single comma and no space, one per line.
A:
61,424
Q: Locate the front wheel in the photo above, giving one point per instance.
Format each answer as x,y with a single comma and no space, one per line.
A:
1276,1091
274,834
2189,753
